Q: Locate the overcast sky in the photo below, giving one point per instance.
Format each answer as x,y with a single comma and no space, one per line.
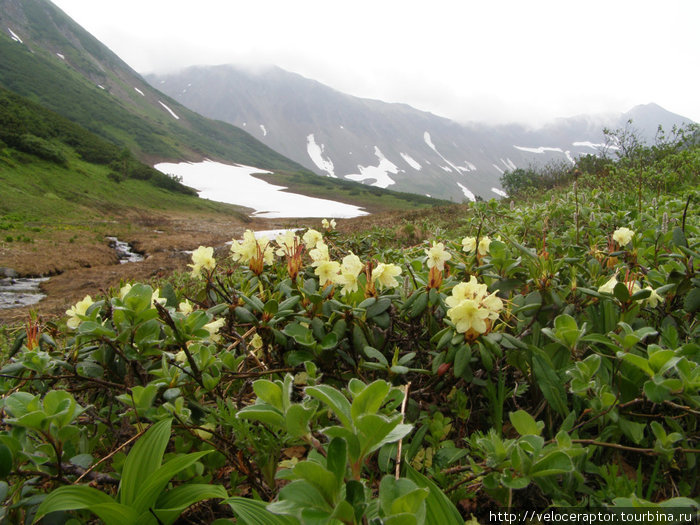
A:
487,60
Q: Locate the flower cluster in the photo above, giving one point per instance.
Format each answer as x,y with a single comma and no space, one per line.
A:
203,259
256,253
632,287
623,236
469,245
472,309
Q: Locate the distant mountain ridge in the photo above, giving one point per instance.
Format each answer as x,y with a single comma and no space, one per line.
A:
384,144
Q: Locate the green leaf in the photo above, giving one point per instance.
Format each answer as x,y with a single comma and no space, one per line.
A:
377,430
171,503
556,462
335,400
297,419
439,508
253,512
548,381
301,335
143,460
76,497
336,462
150,488
621,292
370,399
525,424
263,413
373,353
691,303
5,461
269,392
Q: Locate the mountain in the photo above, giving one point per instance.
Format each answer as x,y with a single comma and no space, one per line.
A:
51,60
387,145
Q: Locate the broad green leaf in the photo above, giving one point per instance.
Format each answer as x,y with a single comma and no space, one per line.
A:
370,399
171,503
143,460
5,461
297,420
269,392
336,461
335,400
253,512
525,424
373,353
549,383
438,507
150,488
556,462
320,477
263,413
76,497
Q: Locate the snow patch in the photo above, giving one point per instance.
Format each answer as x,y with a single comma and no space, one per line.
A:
569,157
235,184
264,130
588,144
169,110
100,86
59,55
499,169
541,149
499,192
379,173
315,151
14,36
428,140
446,168
466,192
411,161
141,93
509,164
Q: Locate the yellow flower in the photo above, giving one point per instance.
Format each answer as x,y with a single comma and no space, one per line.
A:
484,244
609,286
203,258
124,290
256,342
319,254
472,308
78,309
623,236
185,307
287,242
352,264
253,252
327,271
437,256
467,315
654,299
469,244
311,238
385,275
156,298
213,328
328,225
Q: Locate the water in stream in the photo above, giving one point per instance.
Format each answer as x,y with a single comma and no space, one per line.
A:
124,251
16,292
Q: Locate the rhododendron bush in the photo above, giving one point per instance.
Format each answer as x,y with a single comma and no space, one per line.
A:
522,355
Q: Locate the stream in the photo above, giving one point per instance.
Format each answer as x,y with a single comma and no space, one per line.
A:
20,291
16,292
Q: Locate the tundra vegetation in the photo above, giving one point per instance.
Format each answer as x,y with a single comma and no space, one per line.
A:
505,354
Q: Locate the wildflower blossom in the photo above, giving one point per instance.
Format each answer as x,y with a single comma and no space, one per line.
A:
291,247
328,225
319,254
385,275
156,298
213,329
78,309
327,271
349,272
469,244
437,256
484,244
203,258
609,286
623,236
472,309
124,290
254,252
654,299
311,238
185,307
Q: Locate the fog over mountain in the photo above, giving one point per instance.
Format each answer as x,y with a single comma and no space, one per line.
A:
389,145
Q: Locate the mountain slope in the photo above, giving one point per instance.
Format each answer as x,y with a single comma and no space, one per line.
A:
50,59
387,145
